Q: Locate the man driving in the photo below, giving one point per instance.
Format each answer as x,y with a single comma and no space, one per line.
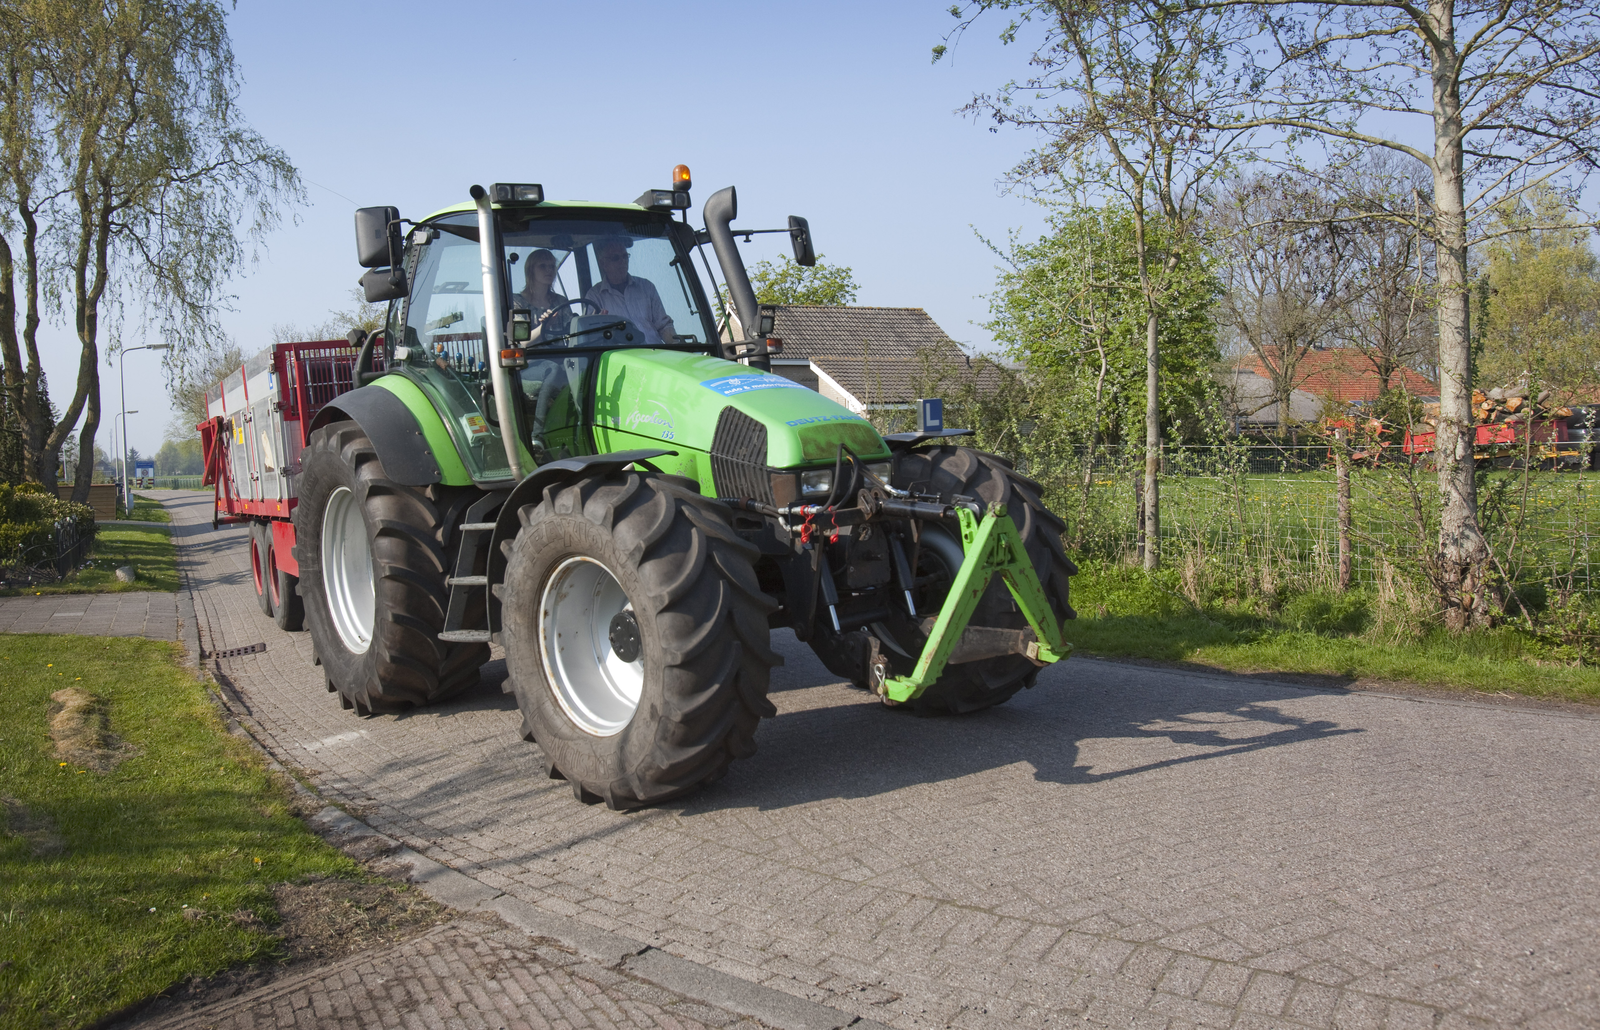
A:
633,298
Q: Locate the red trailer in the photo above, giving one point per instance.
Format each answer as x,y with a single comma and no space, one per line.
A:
1502,440
259,421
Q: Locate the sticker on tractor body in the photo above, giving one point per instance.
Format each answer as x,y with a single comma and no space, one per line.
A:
732,386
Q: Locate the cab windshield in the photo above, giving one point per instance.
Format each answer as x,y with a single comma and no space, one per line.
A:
564,270
583,282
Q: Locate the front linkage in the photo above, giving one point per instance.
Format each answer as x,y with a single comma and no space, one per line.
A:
991,545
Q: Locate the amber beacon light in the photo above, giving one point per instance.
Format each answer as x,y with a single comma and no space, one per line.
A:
680,177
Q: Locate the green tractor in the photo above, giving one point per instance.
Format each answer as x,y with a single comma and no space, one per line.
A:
553,444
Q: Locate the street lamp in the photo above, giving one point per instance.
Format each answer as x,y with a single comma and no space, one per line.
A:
123,436
127,493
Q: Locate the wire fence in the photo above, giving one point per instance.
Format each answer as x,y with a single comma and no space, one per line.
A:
1264,518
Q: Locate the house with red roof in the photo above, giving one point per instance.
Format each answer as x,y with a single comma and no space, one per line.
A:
1343,376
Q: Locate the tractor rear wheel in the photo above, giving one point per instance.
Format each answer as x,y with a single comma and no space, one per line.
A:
372,562
636,637
962,471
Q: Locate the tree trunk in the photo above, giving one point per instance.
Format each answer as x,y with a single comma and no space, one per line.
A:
1463,552
1152,442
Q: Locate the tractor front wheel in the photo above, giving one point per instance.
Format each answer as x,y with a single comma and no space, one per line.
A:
636,637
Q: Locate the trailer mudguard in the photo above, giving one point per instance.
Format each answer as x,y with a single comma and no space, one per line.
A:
506,524
411,441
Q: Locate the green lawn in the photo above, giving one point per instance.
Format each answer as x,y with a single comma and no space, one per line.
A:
1123,613
149,549
146,510
192,819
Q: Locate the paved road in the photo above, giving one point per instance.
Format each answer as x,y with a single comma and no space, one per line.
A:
1120,846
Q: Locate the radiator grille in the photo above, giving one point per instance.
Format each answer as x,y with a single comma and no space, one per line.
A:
739,457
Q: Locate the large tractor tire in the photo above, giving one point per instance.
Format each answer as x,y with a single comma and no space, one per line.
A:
373,560
962,471
636,637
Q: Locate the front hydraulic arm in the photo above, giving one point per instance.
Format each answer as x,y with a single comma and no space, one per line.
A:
992,545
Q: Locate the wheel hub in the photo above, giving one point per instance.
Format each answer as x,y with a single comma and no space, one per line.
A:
347,570
591,646
624,636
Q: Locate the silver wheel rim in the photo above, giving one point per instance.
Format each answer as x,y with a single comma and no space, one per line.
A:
347,570
598,690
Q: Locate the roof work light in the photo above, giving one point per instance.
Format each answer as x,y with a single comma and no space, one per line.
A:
517,193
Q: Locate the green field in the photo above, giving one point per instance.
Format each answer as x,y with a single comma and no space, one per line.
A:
1277,529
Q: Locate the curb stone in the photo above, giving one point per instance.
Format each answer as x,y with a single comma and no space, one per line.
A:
457,890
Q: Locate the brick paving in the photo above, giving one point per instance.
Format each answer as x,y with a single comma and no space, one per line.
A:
1120,846
144,613
465,974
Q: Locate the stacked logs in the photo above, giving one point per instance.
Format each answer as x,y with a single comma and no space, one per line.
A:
1511,405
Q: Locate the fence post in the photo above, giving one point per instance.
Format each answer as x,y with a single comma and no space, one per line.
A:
1138,513
1341,464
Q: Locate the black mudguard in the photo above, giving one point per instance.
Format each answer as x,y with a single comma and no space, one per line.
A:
391,427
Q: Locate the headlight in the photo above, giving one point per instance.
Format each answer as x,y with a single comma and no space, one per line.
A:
882,469
818,482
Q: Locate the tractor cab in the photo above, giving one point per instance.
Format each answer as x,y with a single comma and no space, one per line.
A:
576,281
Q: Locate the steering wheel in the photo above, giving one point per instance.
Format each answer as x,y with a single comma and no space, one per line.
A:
584,300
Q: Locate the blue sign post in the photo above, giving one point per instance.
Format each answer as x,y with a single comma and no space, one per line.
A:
930,415
143,470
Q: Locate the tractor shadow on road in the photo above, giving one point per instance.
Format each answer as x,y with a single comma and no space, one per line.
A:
832,741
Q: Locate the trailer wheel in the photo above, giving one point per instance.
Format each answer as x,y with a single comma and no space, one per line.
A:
260,567
953,471
372,568
636,637
288,609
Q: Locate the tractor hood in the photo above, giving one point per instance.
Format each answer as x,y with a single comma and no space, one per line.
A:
726,410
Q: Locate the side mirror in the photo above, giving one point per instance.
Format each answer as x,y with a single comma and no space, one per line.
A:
377,236
800,236
384,284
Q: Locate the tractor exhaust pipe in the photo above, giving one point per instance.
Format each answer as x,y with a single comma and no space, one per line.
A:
494,310
720,211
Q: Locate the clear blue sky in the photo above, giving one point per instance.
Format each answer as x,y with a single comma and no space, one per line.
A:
829,110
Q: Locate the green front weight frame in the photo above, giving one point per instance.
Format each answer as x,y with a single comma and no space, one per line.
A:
991,545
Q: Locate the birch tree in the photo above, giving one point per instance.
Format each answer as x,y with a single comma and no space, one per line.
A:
1493,98
1118,88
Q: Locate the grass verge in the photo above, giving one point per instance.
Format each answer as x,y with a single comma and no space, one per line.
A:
1123,613
146,510
149,549
115,886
